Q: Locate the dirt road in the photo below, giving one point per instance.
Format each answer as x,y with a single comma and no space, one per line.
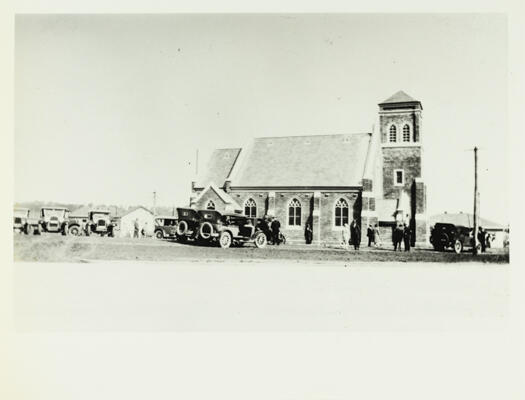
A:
56,248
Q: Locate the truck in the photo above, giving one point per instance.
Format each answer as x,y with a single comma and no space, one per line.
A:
100,222
54,219
23,223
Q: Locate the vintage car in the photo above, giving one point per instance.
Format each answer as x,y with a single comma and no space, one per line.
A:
165,227
99,222
187,225
457,237
230,229
23,223
54,219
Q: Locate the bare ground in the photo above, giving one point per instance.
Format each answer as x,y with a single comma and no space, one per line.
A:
57,248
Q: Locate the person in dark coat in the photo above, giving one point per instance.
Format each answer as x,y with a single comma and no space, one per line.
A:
406,237
397,237
308,232
482,239
276,228
355,234
370,233
265,226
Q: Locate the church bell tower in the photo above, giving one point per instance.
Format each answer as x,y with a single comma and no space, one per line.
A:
400,120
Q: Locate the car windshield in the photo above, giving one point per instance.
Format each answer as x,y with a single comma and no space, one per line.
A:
53,212
100,215
21,213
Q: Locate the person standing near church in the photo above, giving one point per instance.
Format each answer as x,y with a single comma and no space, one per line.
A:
308,232
345,232
276,229
482,239
406,237
398,237
355,234
377,238
370,234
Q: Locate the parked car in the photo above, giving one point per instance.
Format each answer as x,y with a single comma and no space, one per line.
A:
23,223
54,219
99,222
452,236
230,229
188,224
165,227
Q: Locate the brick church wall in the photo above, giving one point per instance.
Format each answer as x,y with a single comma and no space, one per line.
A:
405,158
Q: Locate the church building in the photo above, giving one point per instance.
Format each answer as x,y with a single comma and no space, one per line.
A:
327,180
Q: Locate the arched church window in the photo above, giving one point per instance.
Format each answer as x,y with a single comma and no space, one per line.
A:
250,208
294,213
210,205
341,212
393,134
406,133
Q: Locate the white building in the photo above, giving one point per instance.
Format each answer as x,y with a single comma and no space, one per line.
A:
145,219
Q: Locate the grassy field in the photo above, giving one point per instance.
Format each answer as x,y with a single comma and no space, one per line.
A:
57,248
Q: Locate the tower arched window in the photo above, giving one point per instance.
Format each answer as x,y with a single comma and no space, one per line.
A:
294,213
393,134
250,208
341,212
210,205
406,133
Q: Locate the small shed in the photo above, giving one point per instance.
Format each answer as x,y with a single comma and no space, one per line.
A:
145,220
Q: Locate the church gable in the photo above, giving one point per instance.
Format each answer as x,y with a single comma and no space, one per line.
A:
214,198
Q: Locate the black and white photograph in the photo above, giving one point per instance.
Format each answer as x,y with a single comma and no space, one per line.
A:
346,175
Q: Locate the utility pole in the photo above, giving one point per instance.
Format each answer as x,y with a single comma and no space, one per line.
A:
197,163
154,202
475,250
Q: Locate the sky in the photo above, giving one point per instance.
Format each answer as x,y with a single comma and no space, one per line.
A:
109,108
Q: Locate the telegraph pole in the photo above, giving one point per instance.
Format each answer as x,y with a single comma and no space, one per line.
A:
197,163
154,203
475,250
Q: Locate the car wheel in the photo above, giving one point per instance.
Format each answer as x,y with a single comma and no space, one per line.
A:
74,230
205,230
225,240
458,246
260,240
182,227
29,230
159,235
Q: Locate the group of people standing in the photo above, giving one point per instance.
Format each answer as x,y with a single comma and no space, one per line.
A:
272,229
402,234
352,235
484,239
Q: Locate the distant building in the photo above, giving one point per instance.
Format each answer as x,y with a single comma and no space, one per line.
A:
145,218
327,180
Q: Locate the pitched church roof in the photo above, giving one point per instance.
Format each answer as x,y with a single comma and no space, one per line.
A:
219,167
299,161
399,97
